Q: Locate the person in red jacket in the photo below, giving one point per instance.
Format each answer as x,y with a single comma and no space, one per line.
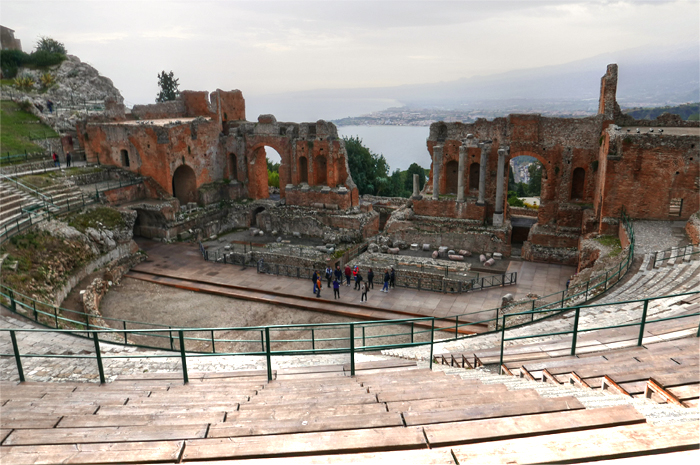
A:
348,273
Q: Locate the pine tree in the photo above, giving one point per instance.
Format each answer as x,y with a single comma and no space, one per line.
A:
169,87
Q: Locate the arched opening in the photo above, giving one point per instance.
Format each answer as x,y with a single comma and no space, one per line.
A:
303,170
233,166
320,170
185,185
474,169
125,158
451,177
255,221
524,189
274,161
578,184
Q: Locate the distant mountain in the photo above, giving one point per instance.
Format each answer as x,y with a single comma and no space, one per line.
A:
689,111
647,77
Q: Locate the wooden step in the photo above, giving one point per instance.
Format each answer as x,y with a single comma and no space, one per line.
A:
583,446
111,434
463,401
303,412
124,452
164,419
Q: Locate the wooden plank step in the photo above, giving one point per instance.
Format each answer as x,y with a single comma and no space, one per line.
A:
583,446
506,409
258,427
464,401
124,452
394,363
93,421
47,410
110,434
303,412
314,376
311,389
685,392
4,432
266,403
495,429
424,394
28,421
350,441
190,399
565,364
310,369
161,410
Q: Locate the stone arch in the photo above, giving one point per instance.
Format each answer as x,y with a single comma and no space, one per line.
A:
451,177
185,185
125,158
303,170
547,180
254,218
578,184
257,168
233,166
474,169
320,170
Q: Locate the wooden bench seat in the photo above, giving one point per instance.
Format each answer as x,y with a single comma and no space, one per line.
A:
347,441
463,401
164,419
346,400
423,394
281,412
505,409
164,409
259,427
124,452
111,434
583,446
495,429
20,420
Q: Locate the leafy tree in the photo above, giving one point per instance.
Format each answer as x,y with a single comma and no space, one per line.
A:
415,168
535,184
272,167
273,178
369,170
169,87
513,200
511,178
49,45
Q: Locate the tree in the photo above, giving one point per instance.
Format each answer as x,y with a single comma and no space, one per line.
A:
415,168
369,170
49,45
535,184
169,87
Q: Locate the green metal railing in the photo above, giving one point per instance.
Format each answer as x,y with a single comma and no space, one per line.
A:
576,330
674,254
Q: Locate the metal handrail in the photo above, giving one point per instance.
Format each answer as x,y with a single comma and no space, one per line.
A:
25,187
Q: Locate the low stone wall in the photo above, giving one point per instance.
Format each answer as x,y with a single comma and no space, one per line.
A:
523,211
449,208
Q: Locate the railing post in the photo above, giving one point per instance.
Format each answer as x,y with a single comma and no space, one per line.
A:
18,361
606,281
213,347
352,349
267,354
36,315
183,356
573,339
412,324
98,354
456,326
643,323
587,283
432,339
13,304
503,340
363,337
124,326
313,338
55,316
262,340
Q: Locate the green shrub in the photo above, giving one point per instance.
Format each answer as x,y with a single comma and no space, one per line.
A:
49,45
97,218
24,83
47,80
273,178
43,59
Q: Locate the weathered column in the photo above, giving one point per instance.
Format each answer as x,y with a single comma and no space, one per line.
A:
498,213
416,186
460,173
437,163
485,148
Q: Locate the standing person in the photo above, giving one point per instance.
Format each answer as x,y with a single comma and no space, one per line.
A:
329,276
68,159
49,105
314,279
56,162
392,278
338,274
336,288
348,273
365,289
318,286
354,274
358,281
386,281
370,278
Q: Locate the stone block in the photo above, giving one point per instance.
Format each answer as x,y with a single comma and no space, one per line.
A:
414,246
426,247
274,232
490,262
435,254
254,231
342,190
325,189
482,258
373,248
456,258
465,252
183,236
331,206
393,250
451,252
261,233
498,255
279,239
318,206
296,234
330,246
227,248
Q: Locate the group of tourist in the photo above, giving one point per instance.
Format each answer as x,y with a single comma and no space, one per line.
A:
57,161
335,278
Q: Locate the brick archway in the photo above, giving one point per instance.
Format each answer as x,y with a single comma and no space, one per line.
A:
185,185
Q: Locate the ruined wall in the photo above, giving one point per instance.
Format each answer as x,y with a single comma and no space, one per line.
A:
692,228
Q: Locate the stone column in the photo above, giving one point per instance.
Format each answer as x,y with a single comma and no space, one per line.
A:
416,186
485,148
437,163
460,173
498,213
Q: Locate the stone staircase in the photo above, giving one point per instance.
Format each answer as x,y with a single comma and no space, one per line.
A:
18,208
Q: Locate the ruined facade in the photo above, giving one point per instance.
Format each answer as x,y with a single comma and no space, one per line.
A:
592,169
200,148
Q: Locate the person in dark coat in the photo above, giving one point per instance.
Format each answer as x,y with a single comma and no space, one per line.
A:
365,290
329,276
336,288
392,278
358,281
314,279
338,273
370,278
68,159
56,161
386,281
348,273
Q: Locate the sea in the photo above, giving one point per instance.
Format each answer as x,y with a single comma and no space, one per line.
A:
400,145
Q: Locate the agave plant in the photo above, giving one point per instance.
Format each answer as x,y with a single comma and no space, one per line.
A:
47,80
24,82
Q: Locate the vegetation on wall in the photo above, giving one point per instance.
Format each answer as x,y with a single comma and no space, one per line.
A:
48,52
169,87
19,128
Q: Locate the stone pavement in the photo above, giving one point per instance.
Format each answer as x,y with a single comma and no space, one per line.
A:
185,261
652,236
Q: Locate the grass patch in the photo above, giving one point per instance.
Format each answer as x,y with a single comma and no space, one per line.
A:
43,262
97,218
610,241
18,128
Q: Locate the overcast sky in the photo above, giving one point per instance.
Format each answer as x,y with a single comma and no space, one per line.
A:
264,47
